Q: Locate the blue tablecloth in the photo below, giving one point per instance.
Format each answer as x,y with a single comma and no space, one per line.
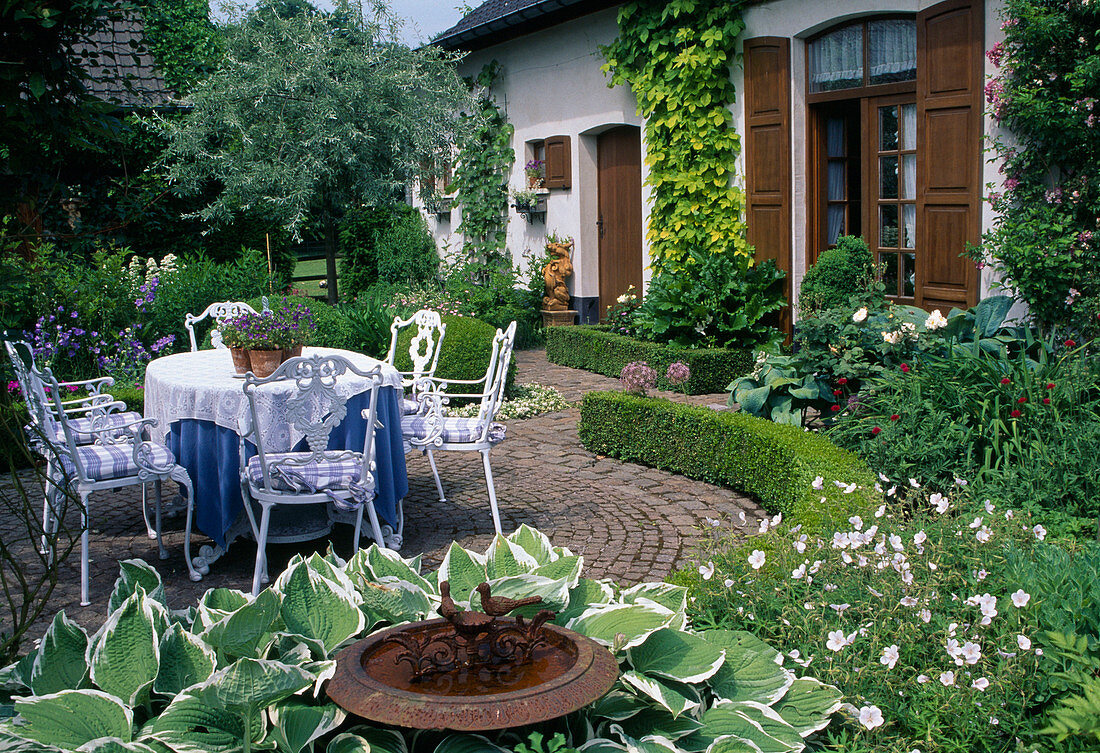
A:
211,455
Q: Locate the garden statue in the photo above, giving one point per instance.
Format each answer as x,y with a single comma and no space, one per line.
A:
555,304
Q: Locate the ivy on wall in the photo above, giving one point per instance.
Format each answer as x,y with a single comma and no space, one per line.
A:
481,175
676,58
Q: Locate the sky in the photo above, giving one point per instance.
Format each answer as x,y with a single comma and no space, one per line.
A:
423,18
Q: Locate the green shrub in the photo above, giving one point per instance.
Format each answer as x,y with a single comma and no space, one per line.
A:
497,294
838,274
467,347
775,464
596,349
389,244
334,330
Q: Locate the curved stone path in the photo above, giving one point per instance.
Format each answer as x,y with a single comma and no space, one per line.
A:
630,522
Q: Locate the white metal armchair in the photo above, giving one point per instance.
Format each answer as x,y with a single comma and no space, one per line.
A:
432,429
423,352
345,478
219,312
119,454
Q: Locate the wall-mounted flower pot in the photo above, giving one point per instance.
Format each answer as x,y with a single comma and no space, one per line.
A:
532,211
440,206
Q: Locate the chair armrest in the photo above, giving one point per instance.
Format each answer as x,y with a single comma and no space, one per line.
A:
93,385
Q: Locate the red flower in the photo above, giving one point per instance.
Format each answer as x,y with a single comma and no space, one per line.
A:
1015,414
1021,400
842,381
895,417
1046,401
1005,380
1070,343
876,430
834,408
905,368
837,392
1050,385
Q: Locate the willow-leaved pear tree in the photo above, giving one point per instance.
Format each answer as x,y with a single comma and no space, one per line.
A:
311,113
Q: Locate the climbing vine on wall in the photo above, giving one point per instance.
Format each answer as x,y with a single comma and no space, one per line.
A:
676,58
481,175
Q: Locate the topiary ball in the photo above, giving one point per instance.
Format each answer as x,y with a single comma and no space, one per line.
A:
467,347
839,274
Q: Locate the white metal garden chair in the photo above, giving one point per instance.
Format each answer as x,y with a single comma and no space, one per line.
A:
432,429
219,312
423,352
118,455
345,478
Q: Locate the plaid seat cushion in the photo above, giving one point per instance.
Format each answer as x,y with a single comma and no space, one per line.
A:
456,430
104,462
409,406
82,427
316,476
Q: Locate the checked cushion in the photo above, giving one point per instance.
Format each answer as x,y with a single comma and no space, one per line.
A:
455,430
312,477
82,427
105,462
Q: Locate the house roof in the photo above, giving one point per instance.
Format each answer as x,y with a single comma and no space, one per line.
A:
496,21
121,69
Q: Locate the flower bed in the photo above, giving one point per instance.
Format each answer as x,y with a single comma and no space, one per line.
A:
776,464
596,349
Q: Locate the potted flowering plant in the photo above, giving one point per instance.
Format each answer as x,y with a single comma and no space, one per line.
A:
295,326
533,171
261,337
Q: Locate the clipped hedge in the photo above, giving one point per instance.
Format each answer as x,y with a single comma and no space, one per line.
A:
596,349
467,347
774,463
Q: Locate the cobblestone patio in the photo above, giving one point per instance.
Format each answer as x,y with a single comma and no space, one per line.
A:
630,522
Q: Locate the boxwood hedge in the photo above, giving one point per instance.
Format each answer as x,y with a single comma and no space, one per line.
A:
467,347
775,464
596,349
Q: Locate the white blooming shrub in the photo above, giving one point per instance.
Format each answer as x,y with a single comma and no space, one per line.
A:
527,400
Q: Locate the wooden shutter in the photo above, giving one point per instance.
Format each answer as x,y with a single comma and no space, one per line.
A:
768,153
557,162
949,157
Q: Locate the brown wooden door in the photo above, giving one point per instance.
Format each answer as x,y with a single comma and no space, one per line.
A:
949,127
768,154
619,183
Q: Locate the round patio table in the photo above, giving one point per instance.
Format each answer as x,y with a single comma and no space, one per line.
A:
198,400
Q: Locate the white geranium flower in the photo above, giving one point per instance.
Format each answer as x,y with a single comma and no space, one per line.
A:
983,535
947,679
880,511
728,582
1023,642
989,507
921,679
908,601
1020,599
1040,532
870,717
940,502
976,523
756,559
935,321
707,570
925,616
914,483
889,656
971,652
819,483
980,684
920,537
856,522
836,640
860,315
799,572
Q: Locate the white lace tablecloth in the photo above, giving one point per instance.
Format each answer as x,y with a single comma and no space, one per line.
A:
202,385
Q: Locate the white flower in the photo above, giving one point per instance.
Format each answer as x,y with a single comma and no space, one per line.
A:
799,571
728,582
976,523
860,315
908,601
920,537
707,570
947,678
1040,532
839,609
980,684
850,488
989,507
764,525
1009,515
981,574
921,679
971,652
1023,642
983,535
880,511
890,491
987,603
895,542
856,522
836,640
889,656
940,502
892,337
713,522
925,616
756,559
914,483
1020,599
818,483
623,298
935,321
870,716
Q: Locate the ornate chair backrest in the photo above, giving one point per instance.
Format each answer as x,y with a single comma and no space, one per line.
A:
54,419
496,375
424,347
220,312
34,393
314,408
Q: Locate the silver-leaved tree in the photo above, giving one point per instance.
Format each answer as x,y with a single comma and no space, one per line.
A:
310,113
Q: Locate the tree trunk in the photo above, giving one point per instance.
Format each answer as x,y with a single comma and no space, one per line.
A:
330,258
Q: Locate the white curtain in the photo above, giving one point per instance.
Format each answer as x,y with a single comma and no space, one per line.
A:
836,60
893,50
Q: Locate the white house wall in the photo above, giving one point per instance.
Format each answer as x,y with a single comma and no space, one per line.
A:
552,85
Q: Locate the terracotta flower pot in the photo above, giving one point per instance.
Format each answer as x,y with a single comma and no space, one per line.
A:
240,360
264,362
294,352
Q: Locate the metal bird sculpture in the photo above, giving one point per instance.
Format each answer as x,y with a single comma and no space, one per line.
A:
501,605
468,624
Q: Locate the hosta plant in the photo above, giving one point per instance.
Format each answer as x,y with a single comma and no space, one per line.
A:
239,673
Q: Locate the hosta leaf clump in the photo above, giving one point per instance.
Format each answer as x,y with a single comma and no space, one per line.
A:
241,673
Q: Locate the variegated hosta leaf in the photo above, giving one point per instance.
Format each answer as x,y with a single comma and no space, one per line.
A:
322,567
666,697
134,574
616,706
632,623
191,724
646,744
535,543
124,656
504,559
346,742
394,601
380,740
113,745
322,672
676,655
249,685
756,723
375,563
665,594
554,593
654,721
217,604
291,648
750,672
244,631
12,743
464,743
464,570
73,717
602,745
295,725
808,705
60,662
586,593
185,659
320,608
567,568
